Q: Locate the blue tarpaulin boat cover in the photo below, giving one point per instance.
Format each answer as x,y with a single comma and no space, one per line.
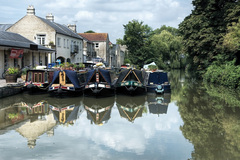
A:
72,75
130,75
158,78
104,73
55,76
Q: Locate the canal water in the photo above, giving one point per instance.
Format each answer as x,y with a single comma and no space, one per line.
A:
195,121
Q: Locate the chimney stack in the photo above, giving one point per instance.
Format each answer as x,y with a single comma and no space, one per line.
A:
30,10
73,27
50,17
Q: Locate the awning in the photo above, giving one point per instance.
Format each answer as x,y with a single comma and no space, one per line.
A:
16,53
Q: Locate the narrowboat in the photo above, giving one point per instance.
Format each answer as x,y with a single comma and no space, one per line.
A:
158,82
38,80
131,81
98,110
99,83
66,82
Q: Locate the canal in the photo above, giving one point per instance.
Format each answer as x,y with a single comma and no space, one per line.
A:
195,121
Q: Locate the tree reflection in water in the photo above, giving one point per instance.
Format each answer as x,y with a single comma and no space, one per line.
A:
211,121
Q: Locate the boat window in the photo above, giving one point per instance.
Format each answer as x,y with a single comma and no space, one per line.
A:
35,77
46,77
29,76
40,109
36,110
40,77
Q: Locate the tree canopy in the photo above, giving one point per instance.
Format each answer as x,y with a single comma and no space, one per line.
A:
145,45
204,29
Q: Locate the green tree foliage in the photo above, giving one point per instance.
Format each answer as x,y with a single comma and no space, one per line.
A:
163,45
173,31
90,31
136,39
203,30
168,47
223,74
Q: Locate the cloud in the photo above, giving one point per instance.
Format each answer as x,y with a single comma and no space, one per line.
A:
105,16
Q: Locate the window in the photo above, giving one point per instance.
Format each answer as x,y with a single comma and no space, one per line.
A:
96,45
41,39
67,43
59,42
64,43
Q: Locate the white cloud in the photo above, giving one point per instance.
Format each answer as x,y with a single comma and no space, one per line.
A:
106,16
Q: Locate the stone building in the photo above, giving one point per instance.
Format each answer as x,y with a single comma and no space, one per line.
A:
116,56
101,45
68,45
18,51
88,50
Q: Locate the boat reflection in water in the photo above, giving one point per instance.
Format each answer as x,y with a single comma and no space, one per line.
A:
98,110
65,111
130,107
32,116
158,104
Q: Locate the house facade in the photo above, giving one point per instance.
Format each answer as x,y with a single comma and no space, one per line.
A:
116,56
88,50
101,45
18,51
67,44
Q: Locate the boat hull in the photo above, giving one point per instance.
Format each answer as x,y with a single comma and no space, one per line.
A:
95,90
130,90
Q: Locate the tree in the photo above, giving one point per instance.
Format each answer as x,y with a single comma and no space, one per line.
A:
89,31
172,30
168,47
231,41
204,29
136,39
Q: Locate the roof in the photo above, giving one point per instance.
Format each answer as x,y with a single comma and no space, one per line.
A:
62,29
9,39
4,27
95,37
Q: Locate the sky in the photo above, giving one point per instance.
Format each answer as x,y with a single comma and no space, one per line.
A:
102,16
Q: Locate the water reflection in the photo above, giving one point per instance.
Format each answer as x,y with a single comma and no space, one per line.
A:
211,120
130,107
66,111
158,104
98,110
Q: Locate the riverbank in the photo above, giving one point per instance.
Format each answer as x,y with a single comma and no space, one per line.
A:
8,89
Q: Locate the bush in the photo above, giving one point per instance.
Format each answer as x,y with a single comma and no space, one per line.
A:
226,74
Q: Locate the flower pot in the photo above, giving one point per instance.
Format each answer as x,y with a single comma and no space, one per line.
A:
11,78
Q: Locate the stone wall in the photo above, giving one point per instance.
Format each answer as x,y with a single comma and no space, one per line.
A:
10,90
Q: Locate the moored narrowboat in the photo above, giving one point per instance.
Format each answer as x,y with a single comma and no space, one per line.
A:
158,82
131,81
98,83
38,80
65,82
